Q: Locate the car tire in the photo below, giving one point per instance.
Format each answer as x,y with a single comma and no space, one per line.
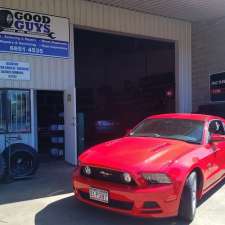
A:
22,161
2,167
188,204
6,18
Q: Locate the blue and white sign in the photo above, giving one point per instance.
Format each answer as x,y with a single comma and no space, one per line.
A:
33,33
10,70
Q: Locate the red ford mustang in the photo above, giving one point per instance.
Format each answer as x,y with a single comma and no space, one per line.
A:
160,169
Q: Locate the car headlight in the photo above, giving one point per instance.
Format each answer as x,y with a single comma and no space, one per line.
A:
127,177
156,178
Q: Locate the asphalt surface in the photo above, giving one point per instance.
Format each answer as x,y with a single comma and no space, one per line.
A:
47,199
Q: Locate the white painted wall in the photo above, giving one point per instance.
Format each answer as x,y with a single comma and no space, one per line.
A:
58,74
49,73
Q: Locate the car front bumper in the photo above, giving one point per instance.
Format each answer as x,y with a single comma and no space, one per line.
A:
152,202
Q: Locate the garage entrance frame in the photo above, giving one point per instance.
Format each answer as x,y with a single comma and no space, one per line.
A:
59,74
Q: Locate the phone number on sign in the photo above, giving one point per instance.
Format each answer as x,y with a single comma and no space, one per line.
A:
24,49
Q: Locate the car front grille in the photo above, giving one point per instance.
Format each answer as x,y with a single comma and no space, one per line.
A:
107,175
112,203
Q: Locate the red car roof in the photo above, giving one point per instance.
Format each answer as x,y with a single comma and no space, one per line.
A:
186,116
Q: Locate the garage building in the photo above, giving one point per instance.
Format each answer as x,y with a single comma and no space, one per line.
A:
105,68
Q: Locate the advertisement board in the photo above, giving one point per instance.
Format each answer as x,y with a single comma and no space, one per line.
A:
217,87
33,33
12,70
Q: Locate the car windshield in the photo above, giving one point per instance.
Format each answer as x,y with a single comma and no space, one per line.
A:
190,131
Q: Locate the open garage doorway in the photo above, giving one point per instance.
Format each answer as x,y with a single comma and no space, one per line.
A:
50,121
119,81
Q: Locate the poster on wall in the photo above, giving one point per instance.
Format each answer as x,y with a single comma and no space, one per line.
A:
217,87
13,70
33,33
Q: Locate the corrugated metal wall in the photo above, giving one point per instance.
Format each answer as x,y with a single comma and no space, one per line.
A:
50,73
208,57
189,10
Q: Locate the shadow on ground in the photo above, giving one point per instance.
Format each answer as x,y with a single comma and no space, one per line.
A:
69,211
51,179
54,179
210,193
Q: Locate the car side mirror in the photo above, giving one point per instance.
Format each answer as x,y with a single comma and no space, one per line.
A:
217,138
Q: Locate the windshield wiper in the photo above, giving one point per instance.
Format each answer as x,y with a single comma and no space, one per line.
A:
178,139
147,135
155,135
189,141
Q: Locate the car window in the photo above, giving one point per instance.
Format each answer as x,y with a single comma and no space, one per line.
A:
177,129
216,127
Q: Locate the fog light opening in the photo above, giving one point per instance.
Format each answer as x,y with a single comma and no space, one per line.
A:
151,205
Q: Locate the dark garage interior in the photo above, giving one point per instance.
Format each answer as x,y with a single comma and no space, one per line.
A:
120,80
50,119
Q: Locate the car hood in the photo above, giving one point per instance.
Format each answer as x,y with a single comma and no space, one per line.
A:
143,153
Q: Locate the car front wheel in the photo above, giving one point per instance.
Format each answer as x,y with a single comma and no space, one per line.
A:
188,202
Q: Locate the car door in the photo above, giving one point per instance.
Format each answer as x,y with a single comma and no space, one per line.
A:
217,165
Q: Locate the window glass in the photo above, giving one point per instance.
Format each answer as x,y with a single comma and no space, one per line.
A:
2,113
179,129
19,119
216,127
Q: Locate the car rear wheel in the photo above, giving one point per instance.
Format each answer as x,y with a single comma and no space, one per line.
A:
188,202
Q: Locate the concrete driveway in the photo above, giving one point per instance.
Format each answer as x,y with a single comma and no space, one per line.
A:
47,199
